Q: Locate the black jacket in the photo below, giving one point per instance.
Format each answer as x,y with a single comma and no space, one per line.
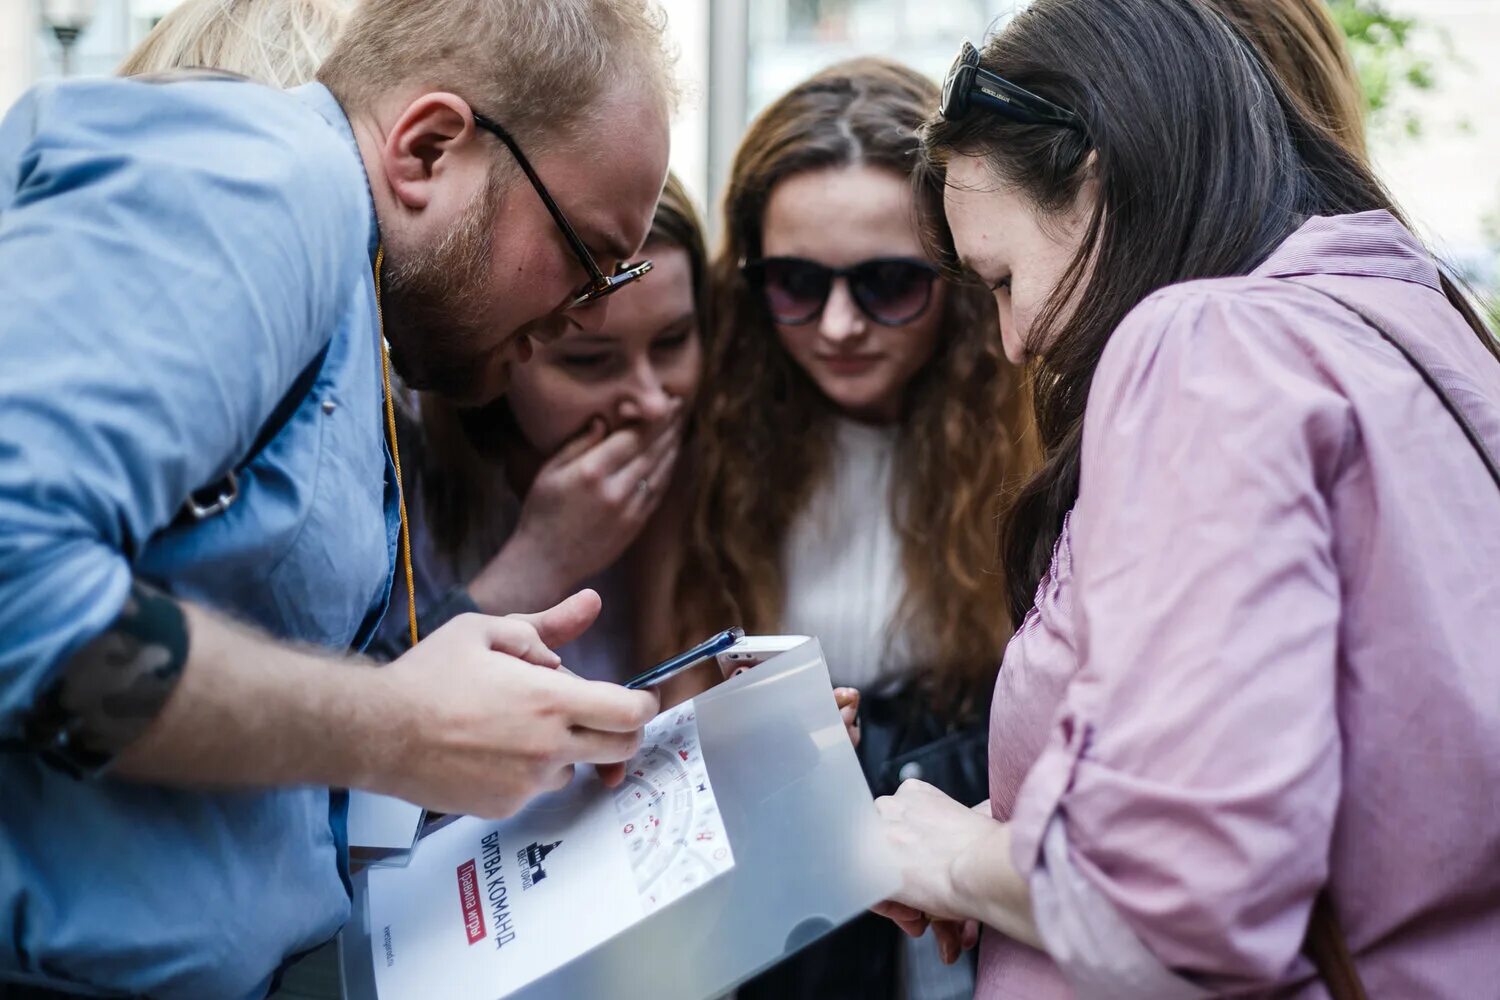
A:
899,740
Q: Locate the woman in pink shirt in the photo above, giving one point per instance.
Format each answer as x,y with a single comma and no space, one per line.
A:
1259,573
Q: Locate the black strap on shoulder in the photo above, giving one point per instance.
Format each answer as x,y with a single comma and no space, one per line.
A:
219,495
1325,944
1491,464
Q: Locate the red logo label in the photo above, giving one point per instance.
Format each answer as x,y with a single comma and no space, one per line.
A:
468,897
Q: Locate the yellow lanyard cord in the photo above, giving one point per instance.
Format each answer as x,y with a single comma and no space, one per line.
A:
390,426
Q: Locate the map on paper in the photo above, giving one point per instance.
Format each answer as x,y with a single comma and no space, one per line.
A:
668,816
486,907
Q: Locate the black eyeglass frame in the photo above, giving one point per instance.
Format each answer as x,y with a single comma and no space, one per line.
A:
969,86
754,270
600,284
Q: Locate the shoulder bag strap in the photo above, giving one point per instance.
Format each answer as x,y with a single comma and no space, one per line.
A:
1451,405
1328,950
218,496
1326,945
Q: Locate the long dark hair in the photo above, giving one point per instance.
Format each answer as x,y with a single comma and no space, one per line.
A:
766,429
1205,164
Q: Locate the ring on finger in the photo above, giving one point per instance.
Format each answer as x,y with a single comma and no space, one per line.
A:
643,487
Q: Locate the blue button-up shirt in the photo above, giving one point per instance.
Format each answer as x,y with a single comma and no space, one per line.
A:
172,256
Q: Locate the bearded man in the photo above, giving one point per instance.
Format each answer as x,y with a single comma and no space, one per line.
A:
198,504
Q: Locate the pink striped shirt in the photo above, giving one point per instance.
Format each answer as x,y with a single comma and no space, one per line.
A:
1268,655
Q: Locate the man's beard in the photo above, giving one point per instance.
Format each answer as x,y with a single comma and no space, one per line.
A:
442,338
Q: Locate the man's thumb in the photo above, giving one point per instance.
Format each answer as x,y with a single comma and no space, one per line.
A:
566,621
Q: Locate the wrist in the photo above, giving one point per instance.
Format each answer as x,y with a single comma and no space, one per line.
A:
250,711
375,719
982,871
520,578
987,887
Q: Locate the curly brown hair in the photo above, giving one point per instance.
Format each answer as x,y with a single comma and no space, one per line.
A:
766,429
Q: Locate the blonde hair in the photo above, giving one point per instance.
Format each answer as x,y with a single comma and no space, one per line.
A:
537,67
276,42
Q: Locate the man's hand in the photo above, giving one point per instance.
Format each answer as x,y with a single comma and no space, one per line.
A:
557,626
482,731
478,718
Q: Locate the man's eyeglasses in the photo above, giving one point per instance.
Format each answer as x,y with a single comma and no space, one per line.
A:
892,291
600,284
969,86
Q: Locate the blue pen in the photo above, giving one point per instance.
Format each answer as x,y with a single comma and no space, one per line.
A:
685,661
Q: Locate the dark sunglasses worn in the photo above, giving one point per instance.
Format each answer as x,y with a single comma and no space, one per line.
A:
968,86
892,291
600,284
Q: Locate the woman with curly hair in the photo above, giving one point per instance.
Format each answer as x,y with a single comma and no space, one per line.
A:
862,430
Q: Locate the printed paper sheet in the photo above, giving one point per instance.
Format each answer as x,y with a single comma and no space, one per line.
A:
485,908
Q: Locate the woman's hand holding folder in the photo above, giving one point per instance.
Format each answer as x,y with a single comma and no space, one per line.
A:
847,699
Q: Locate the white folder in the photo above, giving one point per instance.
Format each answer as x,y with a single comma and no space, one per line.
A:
808,854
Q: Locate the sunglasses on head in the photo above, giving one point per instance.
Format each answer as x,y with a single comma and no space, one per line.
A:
969,86
892,291
599,284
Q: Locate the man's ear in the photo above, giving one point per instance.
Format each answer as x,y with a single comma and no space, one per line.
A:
423,143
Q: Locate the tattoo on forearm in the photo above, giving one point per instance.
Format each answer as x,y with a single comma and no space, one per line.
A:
113,688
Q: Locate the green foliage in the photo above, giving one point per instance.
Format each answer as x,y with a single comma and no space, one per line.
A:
1491,302
1394,55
